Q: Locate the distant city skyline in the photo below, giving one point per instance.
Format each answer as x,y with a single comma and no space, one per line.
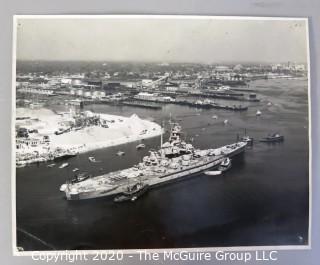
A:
217,63
167,40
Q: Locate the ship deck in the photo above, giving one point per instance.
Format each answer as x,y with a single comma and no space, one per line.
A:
121,179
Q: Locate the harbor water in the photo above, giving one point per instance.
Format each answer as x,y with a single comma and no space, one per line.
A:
262,200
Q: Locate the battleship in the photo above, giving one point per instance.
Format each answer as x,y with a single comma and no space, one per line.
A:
175,160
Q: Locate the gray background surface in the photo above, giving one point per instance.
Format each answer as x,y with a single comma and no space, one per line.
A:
285,8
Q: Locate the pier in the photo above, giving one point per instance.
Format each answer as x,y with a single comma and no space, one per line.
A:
206,104
210,105
226,96
141,104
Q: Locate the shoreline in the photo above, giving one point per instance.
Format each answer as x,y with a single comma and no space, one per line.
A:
110,143
112,131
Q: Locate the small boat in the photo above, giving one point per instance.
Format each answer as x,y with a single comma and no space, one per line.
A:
75,169
76,179
225,164
213,173
273,138
80,177
120,153
20,165
215,117
64,165
225,122
269,104
51,165
246,138
132,193
93,160
140,146
258,113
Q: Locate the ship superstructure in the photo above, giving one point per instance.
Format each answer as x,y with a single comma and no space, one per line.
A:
175,160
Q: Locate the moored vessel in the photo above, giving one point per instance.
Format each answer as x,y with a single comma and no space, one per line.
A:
132,193
273,138
64,165
175,160
247,138
213,172
225,164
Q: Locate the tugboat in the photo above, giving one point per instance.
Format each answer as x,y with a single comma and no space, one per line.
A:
246,138
273,138
132,193
225,164
80,177
76,179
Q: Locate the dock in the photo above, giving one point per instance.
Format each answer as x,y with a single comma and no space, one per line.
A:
210,105
141,104
227,96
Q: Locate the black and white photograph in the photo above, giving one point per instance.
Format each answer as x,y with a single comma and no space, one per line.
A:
160,132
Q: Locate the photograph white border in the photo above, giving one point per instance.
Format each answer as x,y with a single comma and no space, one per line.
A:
162,250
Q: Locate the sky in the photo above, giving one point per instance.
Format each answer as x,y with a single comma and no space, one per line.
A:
161,40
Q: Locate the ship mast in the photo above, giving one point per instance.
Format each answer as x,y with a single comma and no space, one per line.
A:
161,139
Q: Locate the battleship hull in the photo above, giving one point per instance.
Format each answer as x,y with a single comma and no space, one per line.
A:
193,171
237,151
184,174
154,181
93,194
